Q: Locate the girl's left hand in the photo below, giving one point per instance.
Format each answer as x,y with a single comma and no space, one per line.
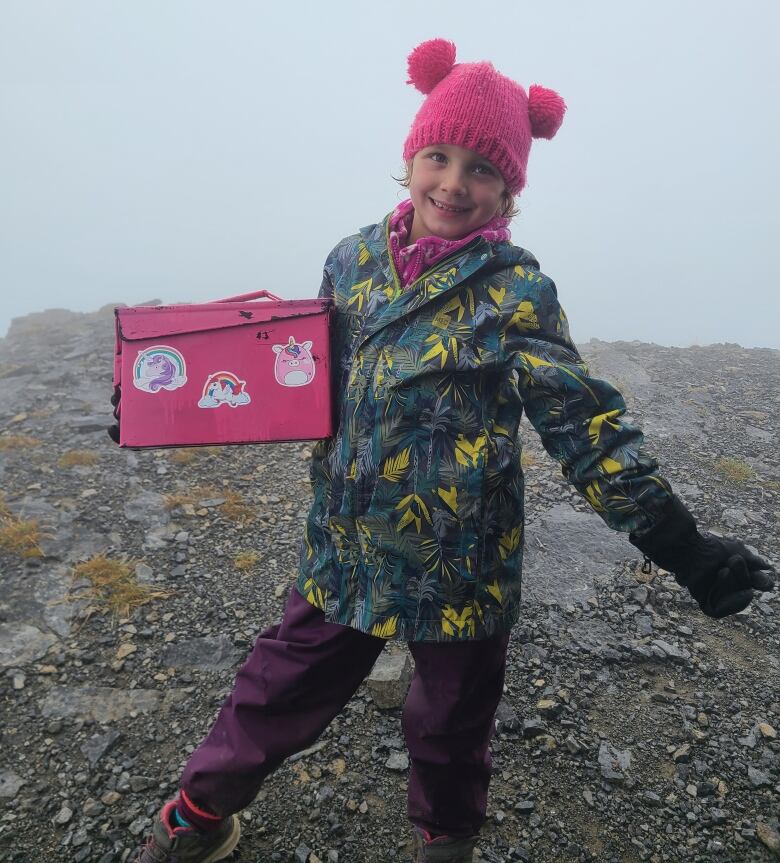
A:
721,574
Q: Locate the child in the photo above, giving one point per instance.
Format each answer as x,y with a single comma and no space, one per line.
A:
444,334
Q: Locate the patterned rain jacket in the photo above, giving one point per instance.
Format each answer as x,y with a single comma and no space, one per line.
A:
416,529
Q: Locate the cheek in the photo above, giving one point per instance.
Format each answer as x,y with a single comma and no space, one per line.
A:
417,194
491,199
415,184
422,178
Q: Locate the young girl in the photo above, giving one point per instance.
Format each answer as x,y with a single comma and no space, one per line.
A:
444,334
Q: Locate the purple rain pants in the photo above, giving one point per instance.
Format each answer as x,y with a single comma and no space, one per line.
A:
299,676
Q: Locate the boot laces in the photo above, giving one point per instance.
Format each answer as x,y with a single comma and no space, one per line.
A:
153,849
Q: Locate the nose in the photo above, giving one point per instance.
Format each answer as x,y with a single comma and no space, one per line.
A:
453,181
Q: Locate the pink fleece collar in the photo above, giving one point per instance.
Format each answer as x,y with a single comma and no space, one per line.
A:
412,260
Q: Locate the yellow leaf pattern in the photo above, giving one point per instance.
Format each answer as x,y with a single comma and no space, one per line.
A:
441,347
610,465
524,317
313,593
594,429
467,453
497,295
359,293
385,628
416,528
363,254
495,591
450,497
457,623
415,511
395,467
509,541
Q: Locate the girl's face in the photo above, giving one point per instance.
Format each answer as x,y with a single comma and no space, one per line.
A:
454,192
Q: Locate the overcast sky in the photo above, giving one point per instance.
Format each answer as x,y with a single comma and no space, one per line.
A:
187,150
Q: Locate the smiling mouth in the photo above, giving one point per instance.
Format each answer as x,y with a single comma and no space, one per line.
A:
448,208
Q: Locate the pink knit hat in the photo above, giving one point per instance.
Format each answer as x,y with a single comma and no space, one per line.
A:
472,105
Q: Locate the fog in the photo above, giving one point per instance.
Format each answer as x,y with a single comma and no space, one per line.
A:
191,150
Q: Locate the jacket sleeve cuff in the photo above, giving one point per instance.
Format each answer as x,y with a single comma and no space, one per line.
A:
668,537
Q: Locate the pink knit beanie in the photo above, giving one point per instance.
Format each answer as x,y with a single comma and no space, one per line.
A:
472,105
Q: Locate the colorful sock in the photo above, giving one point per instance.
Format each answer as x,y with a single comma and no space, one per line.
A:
195,815
179,820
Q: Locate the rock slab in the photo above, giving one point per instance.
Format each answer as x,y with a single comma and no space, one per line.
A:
21,643
389,680
103,704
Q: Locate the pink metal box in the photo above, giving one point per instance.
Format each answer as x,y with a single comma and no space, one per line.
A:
228,372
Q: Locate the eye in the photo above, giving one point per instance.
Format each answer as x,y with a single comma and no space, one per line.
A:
484,169
436,156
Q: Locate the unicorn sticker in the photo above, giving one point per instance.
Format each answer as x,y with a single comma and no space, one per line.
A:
294,366
224,388
159,368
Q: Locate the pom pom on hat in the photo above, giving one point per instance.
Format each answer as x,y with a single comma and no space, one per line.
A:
545,110
429,63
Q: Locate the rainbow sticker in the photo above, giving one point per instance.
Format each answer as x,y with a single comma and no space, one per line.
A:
159,368
223,388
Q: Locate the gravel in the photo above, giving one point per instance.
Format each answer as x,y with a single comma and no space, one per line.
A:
632,728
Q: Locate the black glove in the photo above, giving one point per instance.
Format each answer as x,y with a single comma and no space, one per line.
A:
721,574
113,431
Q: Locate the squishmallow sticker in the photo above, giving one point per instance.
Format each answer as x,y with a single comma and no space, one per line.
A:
294,366
159,368
224,388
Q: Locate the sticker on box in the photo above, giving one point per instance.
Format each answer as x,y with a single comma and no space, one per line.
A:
294,366
159,368
224,388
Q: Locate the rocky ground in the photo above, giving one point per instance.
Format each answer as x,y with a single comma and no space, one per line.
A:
632,729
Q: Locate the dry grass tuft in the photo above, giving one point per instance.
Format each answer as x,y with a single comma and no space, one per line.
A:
182,498
185,455
18,441
19,536
734,470
114,586
246,560
78,457
172,501
188,454
236,508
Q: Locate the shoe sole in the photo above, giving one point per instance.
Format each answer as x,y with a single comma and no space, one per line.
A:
228,845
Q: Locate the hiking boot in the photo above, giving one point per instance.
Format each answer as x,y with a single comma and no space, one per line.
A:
443,849
173,844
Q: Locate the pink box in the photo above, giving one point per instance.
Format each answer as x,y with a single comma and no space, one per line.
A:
228,372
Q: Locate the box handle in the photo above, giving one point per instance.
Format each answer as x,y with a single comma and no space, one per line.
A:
254,295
